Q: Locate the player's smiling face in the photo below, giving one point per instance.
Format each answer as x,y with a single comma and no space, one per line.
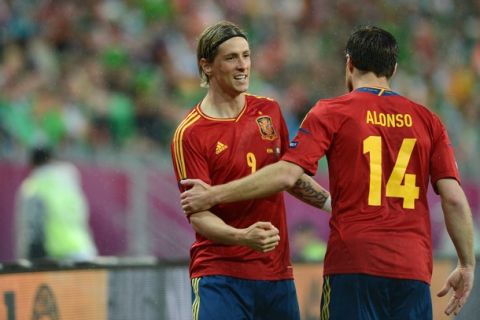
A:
230,69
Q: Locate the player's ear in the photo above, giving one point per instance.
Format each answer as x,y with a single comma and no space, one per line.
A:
206,66
349,63
394,69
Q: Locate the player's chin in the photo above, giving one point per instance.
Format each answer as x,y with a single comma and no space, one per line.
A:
241,89
241,86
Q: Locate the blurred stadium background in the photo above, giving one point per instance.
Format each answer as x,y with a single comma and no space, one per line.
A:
106,82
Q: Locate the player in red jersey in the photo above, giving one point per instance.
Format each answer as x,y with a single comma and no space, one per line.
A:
240,263
382,149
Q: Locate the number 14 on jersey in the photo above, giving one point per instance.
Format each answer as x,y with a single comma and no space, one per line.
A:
400,184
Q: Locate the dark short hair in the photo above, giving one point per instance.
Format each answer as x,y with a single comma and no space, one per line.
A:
40,155
372,49
211,38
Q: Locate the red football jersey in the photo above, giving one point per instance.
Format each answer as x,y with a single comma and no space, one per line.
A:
218,151
381,149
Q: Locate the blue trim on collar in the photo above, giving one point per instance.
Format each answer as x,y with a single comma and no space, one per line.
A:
377,91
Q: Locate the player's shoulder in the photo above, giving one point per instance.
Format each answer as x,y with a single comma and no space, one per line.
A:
259,98
261,102
190,122
333,103
421,109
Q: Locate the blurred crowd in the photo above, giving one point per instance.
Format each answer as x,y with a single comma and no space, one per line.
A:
118,75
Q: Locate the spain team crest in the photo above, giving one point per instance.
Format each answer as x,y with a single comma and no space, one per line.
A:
267,130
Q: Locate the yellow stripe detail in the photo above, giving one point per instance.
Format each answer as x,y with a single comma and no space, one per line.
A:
381,92
259,97
196,301
326,299
177,143
181,159
175,139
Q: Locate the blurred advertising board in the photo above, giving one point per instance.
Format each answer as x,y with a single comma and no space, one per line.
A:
108,289
54,295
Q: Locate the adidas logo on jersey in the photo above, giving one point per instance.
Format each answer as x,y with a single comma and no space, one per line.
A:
220,147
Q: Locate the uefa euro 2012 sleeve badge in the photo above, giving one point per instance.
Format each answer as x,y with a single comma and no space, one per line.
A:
267,130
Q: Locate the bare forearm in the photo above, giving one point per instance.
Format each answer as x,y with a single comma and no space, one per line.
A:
458,220
309,191
215,229
269,180
261,236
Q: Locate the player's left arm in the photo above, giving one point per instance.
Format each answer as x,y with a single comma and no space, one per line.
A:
459,223
309,191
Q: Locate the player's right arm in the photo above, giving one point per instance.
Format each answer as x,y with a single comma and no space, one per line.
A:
458,220
305,189
309,191
261,236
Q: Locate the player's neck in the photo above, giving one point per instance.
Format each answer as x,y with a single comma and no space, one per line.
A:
222,106
370,80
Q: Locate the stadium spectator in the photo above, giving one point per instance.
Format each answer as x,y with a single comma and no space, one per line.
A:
240,262
52,212
382,150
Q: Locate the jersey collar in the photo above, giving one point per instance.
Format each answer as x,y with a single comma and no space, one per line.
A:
377,91
236,119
